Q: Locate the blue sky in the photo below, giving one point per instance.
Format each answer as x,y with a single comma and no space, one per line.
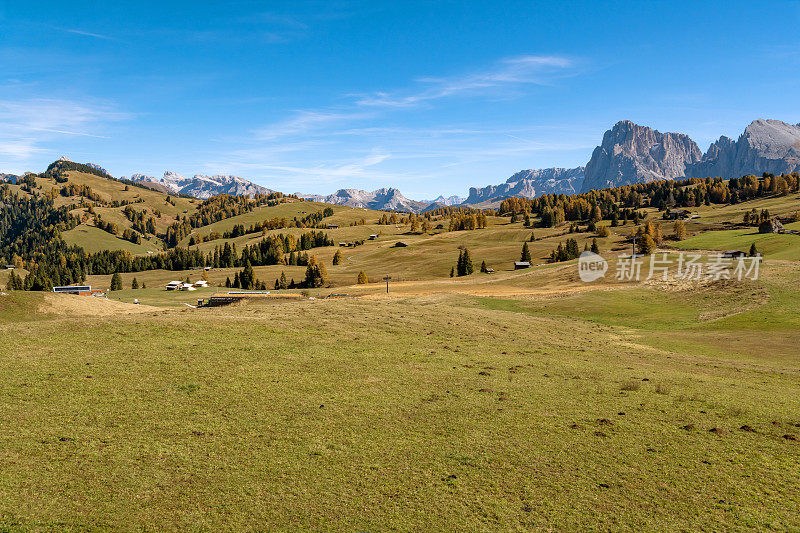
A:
430,97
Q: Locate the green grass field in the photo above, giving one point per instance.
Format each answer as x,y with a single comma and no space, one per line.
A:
439,412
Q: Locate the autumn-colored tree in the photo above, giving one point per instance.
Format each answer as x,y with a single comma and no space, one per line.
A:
647,245
362,278
680,230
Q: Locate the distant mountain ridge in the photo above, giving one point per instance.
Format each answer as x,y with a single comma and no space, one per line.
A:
203,187
448,202
630,154
765,146
530,183
388,199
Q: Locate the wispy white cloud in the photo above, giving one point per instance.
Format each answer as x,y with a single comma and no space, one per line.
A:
367,142
538,70
305,122
28,126
89,34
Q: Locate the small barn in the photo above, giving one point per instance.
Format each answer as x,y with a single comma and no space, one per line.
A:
518,265
332,226
201,283
731,254
173,285
678,214
373,237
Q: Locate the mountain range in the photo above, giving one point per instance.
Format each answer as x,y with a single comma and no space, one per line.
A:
530,183
386,199
628,153
201,186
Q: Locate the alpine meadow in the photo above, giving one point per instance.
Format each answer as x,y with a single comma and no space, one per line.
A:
569,320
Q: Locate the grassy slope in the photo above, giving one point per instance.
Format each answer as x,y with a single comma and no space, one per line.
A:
111,190
773,246
427,256
432,412
343,216
93,240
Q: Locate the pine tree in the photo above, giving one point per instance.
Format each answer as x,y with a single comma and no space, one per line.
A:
236,282
595,248
337,257
469,268
362,278
247,278
526,253
134,284
483,267
282,282
228,282
452,271
116,282
754,251
464,266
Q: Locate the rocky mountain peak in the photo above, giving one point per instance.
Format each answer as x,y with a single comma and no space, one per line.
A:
630,153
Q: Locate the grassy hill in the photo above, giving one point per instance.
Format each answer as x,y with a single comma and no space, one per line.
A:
93,239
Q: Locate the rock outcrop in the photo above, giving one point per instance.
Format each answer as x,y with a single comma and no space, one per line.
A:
630,154
530,183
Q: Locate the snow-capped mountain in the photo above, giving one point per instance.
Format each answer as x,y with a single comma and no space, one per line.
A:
201,186
449,201
381,199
